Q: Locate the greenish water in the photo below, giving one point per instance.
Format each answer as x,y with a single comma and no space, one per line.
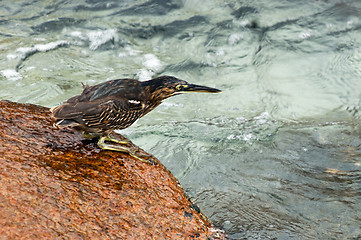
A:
277,155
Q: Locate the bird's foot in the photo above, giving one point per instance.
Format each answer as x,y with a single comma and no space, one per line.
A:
114,147
125,142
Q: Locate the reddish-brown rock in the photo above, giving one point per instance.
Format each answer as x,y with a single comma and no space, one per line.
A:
56,185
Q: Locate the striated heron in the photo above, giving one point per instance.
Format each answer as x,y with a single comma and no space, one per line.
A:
117,104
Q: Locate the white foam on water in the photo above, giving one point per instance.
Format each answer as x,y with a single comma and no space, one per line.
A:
305,34
23,51
12,56
262,118
49,46
153,63
247,137
234,38
220,52
11,74
241,23
30,68
152,66
128,51
100,37
144,74
78,34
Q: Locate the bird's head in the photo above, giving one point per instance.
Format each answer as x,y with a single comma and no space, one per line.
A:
167,86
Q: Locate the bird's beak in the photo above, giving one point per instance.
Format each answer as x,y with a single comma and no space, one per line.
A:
199,88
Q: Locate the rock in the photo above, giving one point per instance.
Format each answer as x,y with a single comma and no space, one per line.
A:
56,185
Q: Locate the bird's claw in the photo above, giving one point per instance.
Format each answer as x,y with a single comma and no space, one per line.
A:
124,142
141,157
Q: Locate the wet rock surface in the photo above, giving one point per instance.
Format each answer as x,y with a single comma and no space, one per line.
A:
56,185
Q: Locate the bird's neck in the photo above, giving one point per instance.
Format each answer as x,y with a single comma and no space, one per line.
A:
152,99
155,93
156,98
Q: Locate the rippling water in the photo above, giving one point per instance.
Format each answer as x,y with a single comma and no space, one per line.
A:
277,155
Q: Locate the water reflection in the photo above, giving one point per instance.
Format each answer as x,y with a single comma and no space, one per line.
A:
276,155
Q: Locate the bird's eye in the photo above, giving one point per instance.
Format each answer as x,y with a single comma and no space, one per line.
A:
180,87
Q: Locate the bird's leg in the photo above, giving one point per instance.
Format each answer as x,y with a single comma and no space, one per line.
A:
88,135
114,147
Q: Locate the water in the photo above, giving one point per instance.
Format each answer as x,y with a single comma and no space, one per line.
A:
277,155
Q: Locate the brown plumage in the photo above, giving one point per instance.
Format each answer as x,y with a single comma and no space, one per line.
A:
117,104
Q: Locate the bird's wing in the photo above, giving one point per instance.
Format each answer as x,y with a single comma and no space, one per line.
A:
112,104
70,110
122,88
119,113
101,113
